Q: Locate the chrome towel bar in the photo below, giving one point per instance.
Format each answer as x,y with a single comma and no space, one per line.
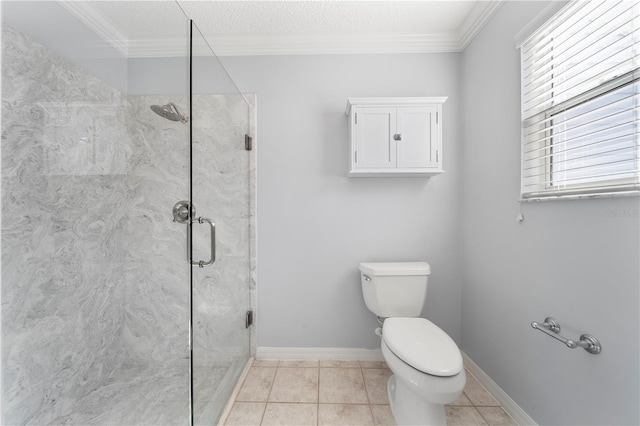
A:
551,327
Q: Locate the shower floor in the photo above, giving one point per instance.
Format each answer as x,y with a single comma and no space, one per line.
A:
146,396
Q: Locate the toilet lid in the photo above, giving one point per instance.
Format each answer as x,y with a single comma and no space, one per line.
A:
422,345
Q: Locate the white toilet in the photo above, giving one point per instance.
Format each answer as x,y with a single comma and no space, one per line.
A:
426,363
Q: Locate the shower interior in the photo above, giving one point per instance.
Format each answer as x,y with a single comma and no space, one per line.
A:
98,296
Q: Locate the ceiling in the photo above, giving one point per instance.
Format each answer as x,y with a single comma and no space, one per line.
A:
150,28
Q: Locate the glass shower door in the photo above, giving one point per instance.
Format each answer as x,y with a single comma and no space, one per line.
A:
95,282
220,194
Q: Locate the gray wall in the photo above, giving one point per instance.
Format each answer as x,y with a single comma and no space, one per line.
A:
574,260
315,225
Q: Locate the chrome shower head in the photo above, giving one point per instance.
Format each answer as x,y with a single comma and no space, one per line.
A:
170,111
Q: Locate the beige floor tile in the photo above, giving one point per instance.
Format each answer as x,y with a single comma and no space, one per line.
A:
339,363
284,414
477,393
257,384
373,364
303,363
295,385
375,381
344,414
246,414
342,392
382,415
342,385
496,416
265,363
464,416
463,400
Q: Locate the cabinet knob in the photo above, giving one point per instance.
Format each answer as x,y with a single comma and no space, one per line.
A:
397,137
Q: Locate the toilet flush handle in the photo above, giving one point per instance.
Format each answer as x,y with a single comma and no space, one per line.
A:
366,277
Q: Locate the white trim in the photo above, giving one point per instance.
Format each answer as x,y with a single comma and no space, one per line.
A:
476,20
508,404
404,101
528,30
242,45
263,352
96,22
234,394
299,45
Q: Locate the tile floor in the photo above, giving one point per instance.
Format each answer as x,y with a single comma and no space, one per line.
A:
340,393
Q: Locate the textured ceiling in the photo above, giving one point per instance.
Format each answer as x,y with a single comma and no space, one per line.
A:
276,27
290,17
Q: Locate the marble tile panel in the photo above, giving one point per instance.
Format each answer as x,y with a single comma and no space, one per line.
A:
97,305
62,339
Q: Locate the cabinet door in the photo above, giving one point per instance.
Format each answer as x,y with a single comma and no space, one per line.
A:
374,144
418,144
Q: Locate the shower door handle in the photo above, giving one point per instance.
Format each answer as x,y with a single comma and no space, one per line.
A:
212,226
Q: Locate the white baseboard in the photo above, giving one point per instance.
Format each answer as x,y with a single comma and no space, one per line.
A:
508,404
263,352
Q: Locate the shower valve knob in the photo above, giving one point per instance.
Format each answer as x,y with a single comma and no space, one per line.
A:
181,211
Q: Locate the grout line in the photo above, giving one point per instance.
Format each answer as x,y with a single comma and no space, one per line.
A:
368,403
481,416
318,399
273,381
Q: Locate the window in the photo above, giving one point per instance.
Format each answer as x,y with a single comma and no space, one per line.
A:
581,102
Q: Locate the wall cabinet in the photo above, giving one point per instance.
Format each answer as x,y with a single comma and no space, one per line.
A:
395,136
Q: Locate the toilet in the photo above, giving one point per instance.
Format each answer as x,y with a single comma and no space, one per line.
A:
426,363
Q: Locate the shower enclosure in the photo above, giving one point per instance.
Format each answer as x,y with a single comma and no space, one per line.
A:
115,308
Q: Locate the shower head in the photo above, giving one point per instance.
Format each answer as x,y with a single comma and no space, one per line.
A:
170,111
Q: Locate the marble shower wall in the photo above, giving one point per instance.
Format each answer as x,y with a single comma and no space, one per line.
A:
222,191
65,158
221,188
156,320
95,282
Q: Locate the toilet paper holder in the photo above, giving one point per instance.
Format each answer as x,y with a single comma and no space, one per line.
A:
551,327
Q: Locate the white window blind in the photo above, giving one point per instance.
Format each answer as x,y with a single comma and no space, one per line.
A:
581,101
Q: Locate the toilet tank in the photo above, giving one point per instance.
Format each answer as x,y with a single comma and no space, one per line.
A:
395,289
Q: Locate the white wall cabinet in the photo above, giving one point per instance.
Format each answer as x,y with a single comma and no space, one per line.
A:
395,136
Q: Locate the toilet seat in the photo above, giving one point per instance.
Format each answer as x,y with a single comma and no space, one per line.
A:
422,345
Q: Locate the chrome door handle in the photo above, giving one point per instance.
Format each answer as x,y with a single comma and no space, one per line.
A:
212,226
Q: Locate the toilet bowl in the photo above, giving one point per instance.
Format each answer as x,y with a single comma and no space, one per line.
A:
427,370
426,363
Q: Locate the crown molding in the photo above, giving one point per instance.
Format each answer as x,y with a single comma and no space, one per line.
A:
244,45
96,22
298,45
481,13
